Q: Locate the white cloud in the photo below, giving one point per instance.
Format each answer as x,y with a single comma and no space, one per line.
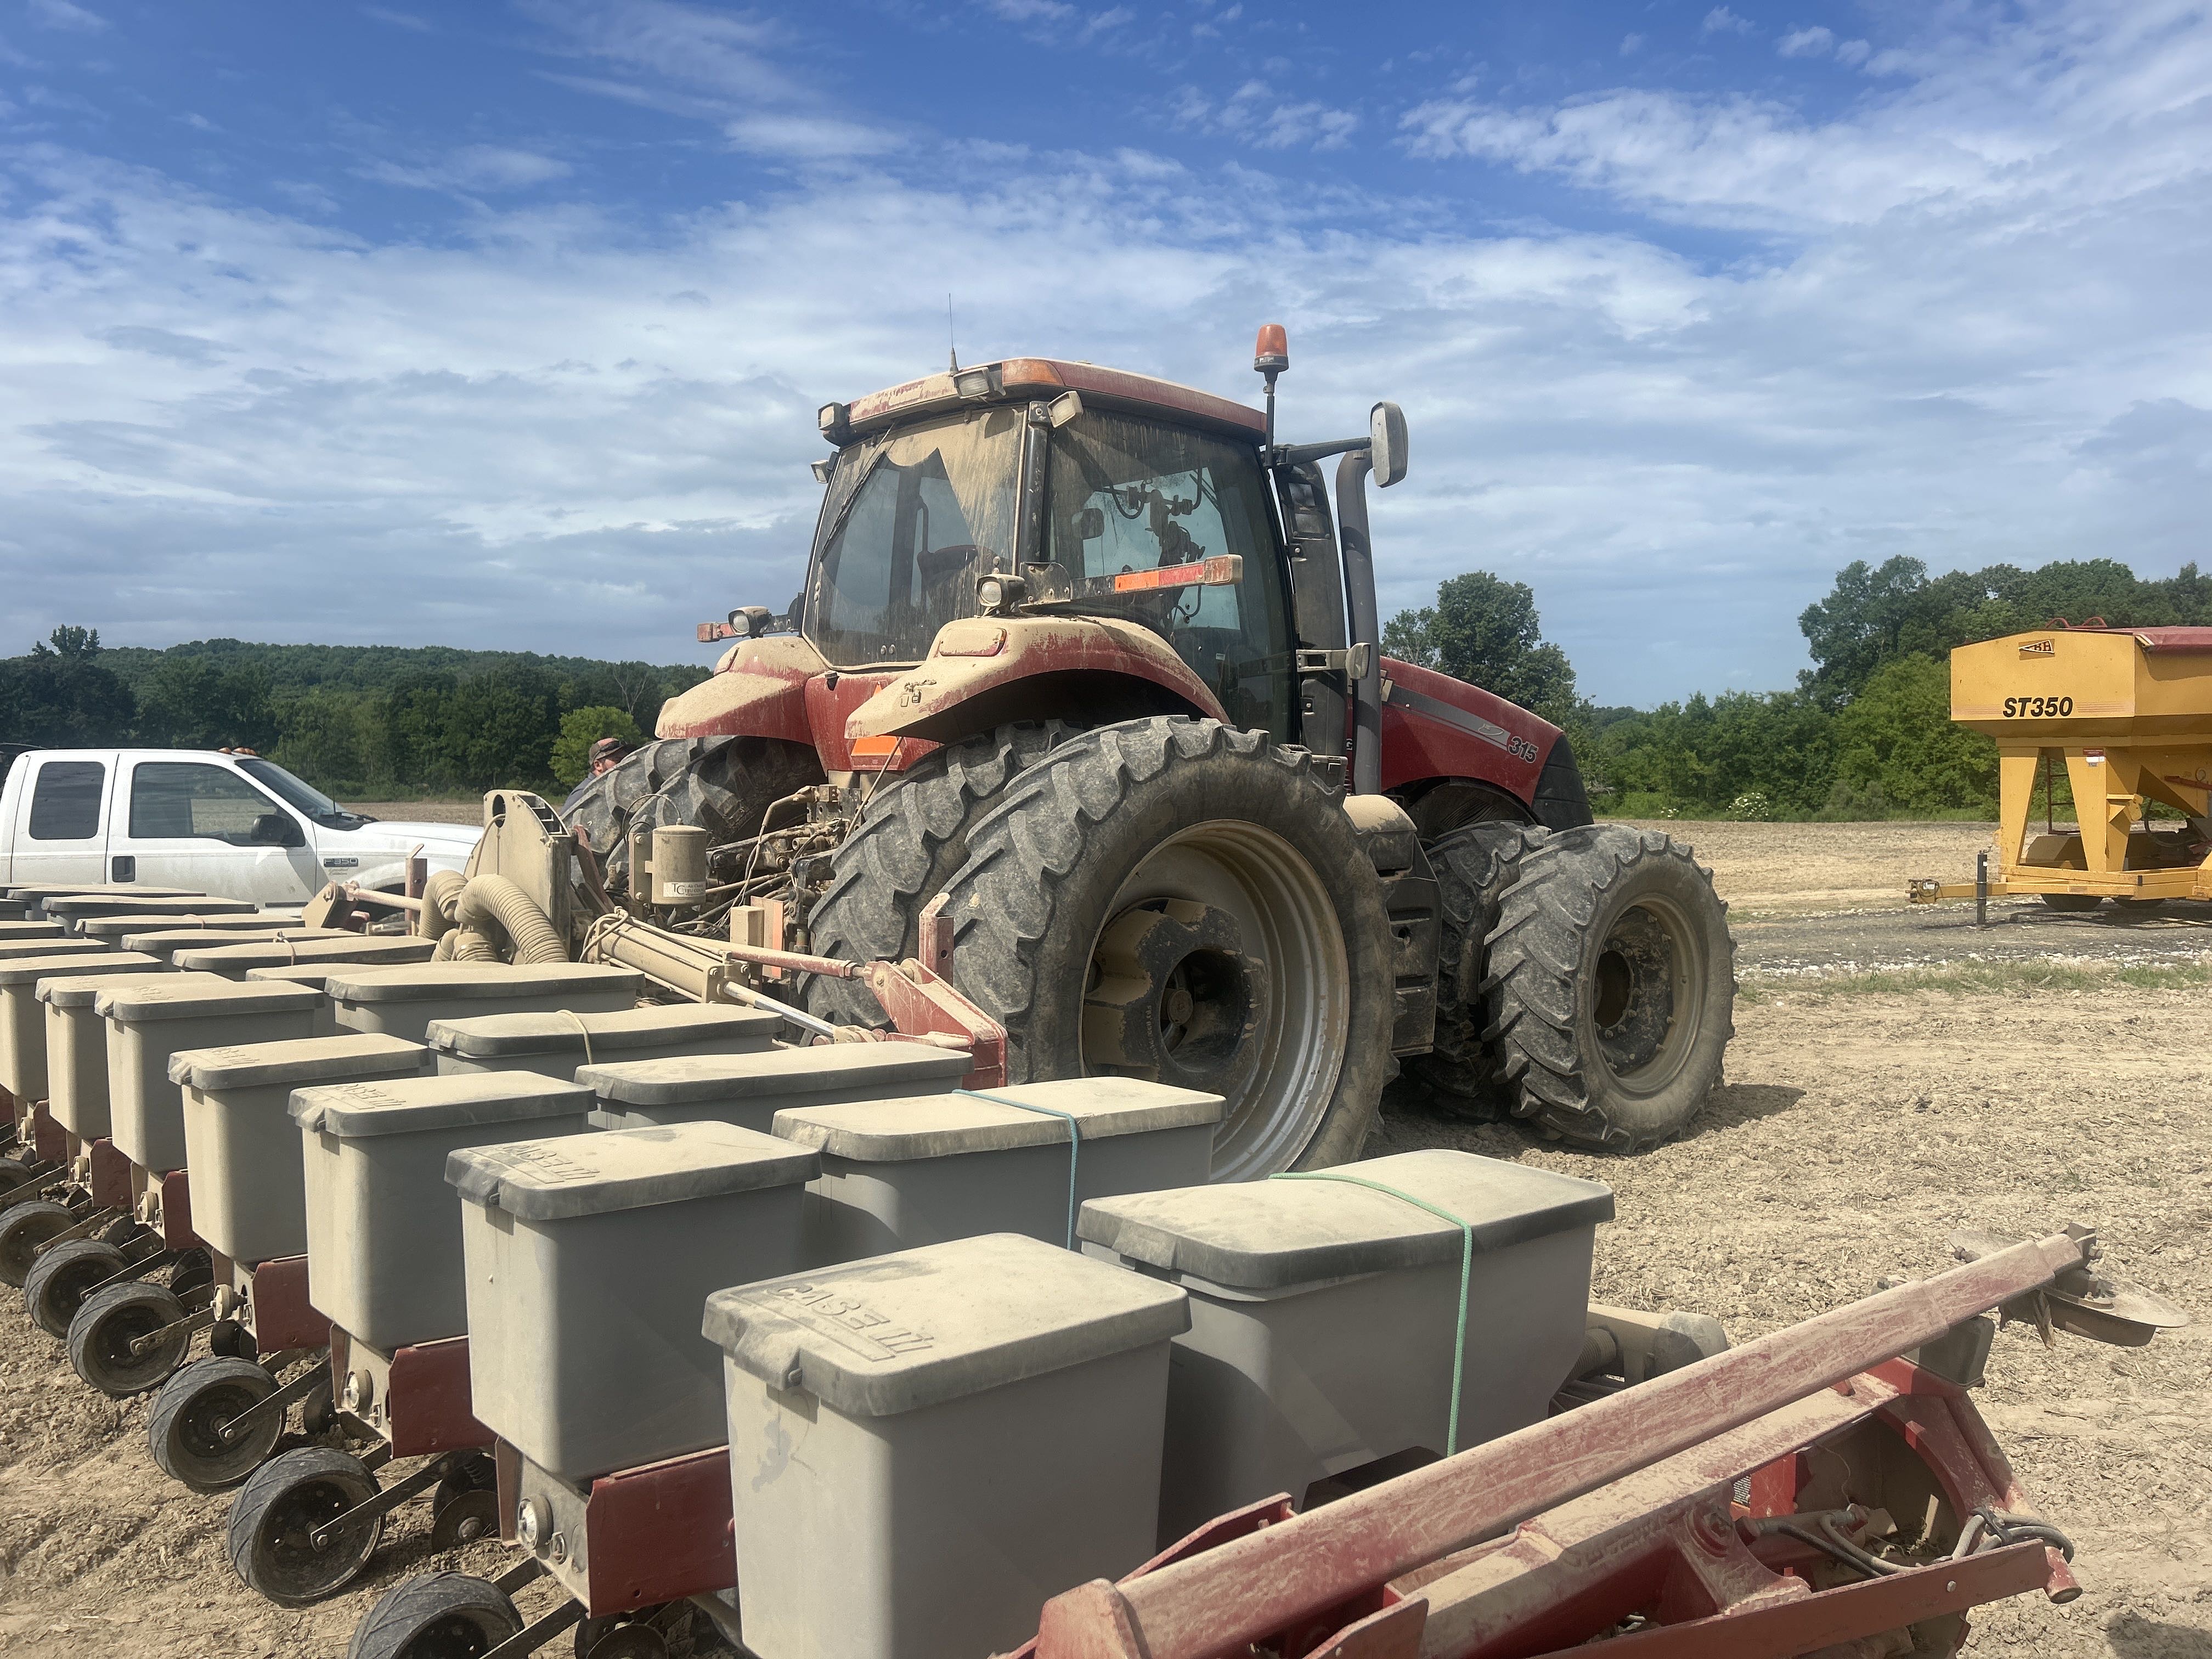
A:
1721,20
809,137
400,20
1256,114
1630,45
1813,42
473,169
65,14
1853,51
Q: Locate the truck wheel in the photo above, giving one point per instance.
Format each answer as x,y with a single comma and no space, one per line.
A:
1611,984
722,785
1474,867
911,837
1176,899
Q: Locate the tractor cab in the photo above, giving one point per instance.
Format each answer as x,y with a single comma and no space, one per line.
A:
1054,489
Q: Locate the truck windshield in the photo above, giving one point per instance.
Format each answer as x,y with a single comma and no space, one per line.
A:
910,518
305,797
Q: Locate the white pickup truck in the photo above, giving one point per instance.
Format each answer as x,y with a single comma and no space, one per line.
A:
231,825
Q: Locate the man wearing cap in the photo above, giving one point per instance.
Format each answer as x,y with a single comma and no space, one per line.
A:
604,755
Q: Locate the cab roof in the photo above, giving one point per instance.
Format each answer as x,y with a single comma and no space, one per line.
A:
1020,379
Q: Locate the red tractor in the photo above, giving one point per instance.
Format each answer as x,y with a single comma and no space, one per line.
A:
1088,654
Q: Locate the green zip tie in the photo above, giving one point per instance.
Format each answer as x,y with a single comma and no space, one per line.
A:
1074,1142
1465,1272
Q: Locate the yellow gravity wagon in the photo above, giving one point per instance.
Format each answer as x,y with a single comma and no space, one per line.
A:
2128,712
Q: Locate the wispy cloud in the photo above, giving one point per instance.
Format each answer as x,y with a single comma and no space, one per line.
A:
1812,42
64,14
473,169
1721,20
400,20
1255,113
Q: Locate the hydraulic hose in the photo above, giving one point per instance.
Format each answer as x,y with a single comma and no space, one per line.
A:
494,905
469,945
439,893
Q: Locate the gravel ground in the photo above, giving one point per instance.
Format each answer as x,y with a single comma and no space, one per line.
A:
1854,1133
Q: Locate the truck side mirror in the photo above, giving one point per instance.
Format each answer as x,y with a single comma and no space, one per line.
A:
1090,524
1386,438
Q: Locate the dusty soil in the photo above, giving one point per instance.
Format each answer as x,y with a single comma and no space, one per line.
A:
1854,1132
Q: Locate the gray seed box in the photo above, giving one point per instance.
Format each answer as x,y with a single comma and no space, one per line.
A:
750,1090
150,1021
588,1260
76,1048
72,910
927,1446
559,1044
22,1018
166,942
315,978
1323,1315
249,1185
404,1002
900,1174
384,1231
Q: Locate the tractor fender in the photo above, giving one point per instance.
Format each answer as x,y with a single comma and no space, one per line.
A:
758,689
1437,730
983,671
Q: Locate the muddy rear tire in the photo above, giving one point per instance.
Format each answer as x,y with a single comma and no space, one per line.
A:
1473,866
1176,899
909,841
722,785
1612,987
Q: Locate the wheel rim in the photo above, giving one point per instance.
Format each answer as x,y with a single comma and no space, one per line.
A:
20,1239
453,1636
64,1293
197,1443
115,1369
286,1546
1222,928
1648,994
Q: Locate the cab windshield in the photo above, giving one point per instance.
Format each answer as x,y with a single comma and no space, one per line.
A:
305,796
910,518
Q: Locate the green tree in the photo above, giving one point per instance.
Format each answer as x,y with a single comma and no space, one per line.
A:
580,729
328,737
192,702
1896,742
62,695
1485,631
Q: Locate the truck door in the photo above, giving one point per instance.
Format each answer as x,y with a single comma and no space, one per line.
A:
61,830
200,825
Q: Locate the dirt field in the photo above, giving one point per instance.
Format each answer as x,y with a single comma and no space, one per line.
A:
1854,1131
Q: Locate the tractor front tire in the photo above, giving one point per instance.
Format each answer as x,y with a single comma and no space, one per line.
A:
911,838
1177,899
1474,866
1612,987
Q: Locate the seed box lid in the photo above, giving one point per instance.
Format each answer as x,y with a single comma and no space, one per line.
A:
626,1169
695,1078
243,925
29,970
283,953
919,1327
303,1060
86,993
1265,1235
411,1105
177,996
945,1125
449,979
491,1035
27,932
15,950
118,904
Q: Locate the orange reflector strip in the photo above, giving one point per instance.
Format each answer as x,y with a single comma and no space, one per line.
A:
880,747
1223,570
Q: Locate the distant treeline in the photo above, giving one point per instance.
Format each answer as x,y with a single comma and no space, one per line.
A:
359,721
1866,733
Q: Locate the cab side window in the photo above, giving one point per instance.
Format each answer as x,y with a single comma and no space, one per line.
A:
178,800
65,800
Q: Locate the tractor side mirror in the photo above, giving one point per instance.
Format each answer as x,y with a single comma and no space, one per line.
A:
1386,438
1090,524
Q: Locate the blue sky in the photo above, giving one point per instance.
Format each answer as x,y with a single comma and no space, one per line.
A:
502,324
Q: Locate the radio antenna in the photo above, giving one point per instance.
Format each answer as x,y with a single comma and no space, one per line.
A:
952,343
